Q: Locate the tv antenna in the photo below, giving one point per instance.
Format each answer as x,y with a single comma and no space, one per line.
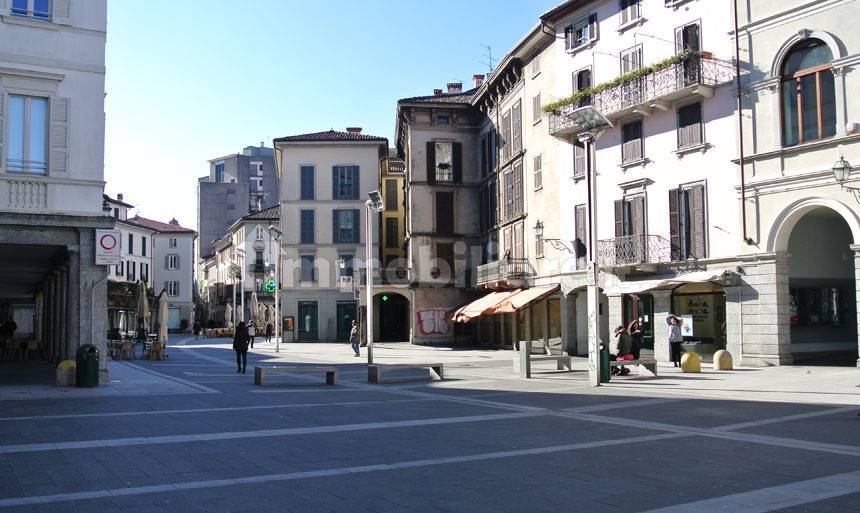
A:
488,58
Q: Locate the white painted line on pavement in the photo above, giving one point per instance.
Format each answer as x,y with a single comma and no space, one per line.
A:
774,498
211,410
234,435
293,476
787,418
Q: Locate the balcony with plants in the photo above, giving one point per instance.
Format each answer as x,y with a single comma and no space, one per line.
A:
642,91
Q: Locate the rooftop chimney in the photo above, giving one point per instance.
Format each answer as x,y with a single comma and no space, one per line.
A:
353,129
119,196
455,87
437,92
479,80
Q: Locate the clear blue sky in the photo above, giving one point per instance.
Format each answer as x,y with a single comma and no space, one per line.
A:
192,80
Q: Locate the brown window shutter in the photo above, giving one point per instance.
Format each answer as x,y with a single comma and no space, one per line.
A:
507,241
445,212
431,162
619,218
674,224
639,216
457,149
699,227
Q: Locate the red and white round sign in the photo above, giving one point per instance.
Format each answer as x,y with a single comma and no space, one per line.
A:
107,241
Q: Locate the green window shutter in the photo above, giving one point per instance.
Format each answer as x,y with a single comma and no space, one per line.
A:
699,228
356,177
458,162
674,224
335,226
334,183
356,226
431,162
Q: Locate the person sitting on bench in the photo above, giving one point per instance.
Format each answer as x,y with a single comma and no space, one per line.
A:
625,350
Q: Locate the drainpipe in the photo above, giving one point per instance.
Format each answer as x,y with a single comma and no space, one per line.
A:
741,161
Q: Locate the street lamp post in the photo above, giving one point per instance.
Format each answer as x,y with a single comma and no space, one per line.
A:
241,253
275,234
373,205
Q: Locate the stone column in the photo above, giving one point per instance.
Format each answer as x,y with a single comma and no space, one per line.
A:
856,249
735,310
766,301
63,318
662,308
616,318
568,324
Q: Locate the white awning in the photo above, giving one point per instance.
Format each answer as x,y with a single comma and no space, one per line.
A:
636,287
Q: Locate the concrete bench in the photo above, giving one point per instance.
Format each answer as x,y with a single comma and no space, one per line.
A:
374,371
525,358
647,366
261,372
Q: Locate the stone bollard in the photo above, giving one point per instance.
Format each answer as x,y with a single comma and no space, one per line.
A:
723,360
66,370
691,362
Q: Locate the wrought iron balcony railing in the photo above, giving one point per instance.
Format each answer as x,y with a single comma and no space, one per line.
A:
696,74
504,269
633,249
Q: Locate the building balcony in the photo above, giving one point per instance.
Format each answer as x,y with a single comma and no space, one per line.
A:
634,252
263,269
693,76
509,272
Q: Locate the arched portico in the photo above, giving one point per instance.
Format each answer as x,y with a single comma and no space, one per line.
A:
785,222
392,316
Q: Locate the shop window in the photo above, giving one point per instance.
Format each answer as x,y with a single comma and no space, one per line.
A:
703,309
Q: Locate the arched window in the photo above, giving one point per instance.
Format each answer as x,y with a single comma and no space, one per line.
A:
808,98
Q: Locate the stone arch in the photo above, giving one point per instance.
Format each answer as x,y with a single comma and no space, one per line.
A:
836,48
785,222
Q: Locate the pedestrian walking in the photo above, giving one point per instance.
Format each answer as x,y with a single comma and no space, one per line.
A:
269,329
196,329
675,338
353,338
635,331
240,345
252,330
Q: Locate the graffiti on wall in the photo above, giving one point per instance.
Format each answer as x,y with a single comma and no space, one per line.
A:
433,322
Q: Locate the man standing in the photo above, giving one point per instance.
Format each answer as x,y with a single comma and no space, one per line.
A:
353,337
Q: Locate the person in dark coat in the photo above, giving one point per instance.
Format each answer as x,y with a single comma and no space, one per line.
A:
241,339
625,350
635,332
269,329
196,329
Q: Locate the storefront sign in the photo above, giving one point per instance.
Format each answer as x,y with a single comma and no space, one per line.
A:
107,247
687,325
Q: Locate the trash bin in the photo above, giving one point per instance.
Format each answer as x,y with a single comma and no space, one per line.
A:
87,366
604,363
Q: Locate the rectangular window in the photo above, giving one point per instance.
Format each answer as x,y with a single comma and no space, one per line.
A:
260,233
130,243
509,194
116,213
172,262
144,272
306,227
517,127
219,172
580,244
307,182
172,288
631,148
120,268
36,9
518,241
445,258
445,212
518,188
345,265
307,268
581,33
506,136
173,242
688,228
143,246
391,199
345,182
27,135
443,120
630,230
538,172
632,92
392,233
579,159
536,113
345,224
629,11
444,161
690,125
535,66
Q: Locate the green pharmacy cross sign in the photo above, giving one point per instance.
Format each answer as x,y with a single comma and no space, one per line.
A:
271,286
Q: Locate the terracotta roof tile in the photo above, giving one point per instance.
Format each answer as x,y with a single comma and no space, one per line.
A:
455,98
330,136
158,226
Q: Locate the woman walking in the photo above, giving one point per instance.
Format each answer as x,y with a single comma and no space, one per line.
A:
252,330
240,345
269,329
675,338
353,338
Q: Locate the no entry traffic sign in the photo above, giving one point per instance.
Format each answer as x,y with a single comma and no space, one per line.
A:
107,247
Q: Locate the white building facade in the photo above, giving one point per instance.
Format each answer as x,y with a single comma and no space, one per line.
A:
325,180
52,69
